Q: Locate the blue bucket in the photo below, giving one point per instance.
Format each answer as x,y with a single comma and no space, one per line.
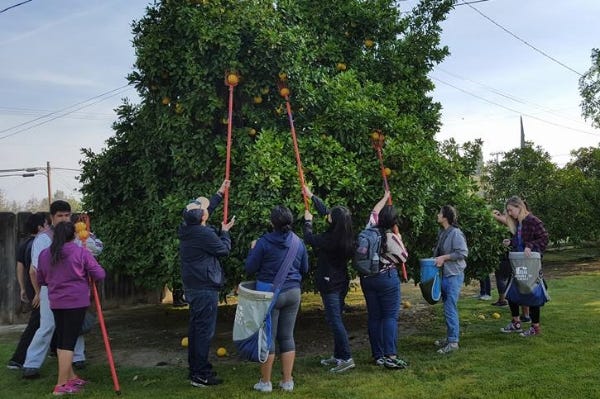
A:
431,280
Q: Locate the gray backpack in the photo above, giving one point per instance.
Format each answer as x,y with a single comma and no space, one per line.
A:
366,257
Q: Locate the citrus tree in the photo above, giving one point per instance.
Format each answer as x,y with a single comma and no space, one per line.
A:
352,67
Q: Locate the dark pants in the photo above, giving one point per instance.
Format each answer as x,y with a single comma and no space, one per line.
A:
485,286
501,282
334,306
32,325
534,312
203,321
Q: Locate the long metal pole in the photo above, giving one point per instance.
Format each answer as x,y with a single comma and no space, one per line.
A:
49,186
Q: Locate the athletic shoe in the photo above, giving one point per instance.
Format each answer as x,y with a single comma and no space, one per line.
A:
500,303
31,373
12,365
485,298
200,382
476,296
65,389
530,332
287,386
379,361
512,327
343,365
263,386
77,381
450,347
440,342
525,319
394,363
332,361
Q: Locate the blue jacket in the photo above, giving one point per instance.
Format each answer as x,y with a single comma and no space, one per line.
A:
267,256
200,248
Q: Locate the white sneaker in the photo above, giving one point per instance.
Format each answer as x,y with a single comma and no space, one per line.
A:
332,361
485,298
287,386
263,386
450,347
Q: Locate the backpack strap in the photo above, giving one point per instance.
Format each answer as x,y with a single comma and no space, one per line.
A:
284,269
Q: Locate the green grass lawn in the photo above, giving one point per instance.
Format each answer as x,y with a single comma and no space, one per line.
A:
561,363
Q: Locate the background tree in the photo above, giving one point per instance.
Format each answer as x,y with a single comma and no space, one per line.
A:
352,67
589,88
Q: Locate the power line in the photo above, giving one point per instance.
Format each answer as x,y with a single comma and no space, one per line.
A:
514,110
521,40
114,91
510,96
14,6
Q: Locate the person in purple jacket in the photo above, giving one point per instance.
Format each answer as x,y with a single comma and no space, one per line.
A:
264,260
65,268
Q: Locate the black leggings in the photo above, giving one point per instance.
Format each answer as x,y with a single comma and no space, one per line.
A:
534,311
68,326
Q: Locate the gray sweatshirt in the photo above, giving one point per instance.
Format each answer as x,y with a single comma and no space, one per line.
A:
452,242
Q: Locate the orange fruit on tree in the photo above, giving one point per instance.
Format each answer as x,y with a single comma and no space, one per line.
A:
282,76
257,99
232,79
375,136
387,171
252,132
369,43
341,66
166,100
284,92
179,108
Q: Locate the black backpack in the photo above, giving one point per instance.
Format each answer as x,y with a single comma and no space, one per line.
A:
366,257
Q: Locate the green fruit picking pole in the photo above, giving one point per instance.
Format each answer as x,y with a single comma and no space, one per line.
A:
285,94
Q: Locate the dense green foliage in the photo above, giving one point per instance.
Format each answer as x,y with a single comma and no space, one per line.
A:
352,66
589,88
565,199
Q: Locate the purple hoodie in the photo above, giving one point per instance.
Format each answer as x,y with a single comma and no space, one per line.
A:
67,280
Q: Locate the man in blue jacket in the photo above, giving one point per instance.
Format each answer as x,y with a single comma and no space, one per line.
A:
200,247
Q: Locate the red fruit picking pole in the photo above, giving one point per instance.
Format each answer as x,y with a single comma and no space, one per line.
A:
111,363
377,139
284,91
231,80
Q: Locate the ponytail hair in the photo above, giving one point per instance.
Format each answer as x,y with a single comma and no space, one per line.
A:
63,232
281,218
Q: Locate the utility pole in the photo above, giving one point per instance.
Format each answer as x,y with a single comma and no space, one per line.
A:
48,180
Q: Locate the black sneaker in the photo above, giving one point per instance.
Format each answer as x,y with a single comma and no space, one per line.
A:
12,365
525,319
198,381
31,373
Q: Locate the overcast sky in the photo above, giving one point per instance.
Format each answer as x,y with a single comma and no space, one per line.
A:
57,54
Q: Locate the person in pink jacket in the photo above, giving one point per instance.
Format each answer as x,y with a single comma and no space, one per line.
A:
65,268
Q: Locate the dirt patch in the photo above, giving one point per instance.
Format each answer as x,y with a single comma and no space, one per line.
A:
150,335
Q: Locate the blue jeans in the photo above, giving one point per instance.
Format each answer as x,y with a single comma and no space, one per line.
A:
201,329
451,286
40,343
334,306
382,294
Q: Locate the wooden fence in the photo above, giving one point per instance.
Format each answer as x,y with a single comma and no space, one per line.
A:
115,290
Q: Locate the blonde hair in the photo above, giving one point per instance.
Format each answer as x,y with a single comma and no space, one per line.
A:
516,202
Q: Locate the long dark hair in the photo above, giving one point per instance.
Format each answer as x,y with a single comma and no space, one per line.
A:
63,233
340,231
281,218
386,220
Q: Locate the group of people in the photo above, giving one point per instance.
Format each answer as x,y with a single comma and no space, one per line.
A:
202,246
60,268
53,271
